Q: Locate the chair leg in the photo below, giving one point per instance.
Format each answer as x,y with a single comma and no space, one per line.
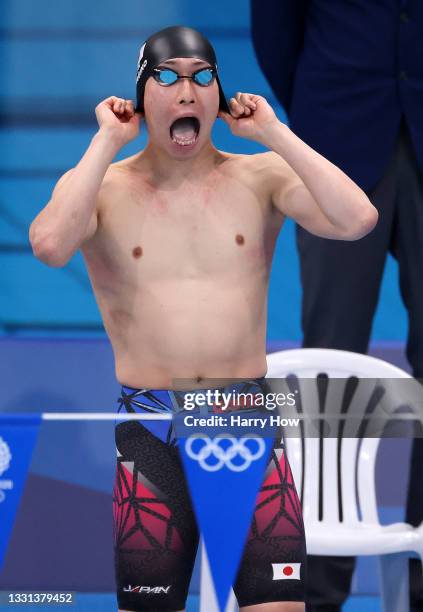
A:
394,586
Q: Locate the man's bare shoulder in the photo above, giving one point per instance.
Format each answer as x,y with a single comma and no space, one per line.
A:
118,172
117,189
268,161
272,163
261,171
120,177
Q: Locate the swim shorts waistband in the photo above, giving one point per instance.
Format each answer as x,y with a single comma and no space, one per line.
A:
203,400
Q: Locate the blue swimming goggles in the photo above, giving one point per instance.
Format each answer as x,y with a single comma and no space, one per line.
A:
203,77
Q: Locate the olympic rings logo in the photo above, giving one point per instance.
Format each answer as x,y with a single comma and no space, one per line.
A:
224,448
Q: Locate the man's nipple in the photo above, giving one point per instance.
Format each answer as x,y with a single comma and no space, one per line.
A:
137,252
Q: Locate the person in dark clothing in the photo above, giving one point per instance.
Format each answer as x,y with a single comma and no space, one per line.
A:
349,75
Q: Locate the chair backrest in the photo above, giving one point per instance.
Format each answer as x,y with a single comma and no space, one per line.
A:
334,476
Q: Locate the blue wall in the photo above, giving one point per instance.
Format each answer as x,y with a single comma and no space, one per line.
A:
57,61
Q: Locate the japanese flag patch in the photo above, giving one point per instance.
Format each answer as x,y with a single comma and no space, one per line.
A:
286,571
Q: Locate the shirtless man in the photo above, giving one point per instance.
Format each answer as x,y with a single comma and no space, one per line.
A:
178,241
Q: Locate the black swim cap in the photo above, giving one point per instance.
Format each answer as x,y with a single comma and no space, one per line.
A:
176,41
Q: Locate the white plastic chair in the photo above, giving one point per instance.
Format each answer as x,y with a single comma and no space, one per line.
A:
359,532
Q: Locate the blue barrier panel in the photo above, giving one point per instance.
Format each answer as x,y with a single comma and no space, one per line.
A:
224,472
18,435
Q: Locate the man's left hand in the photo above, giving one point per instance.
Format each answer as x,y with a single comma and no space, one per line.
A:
251,116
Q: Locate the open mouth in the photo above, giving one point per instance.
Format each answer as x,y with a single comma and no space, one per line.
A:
184,131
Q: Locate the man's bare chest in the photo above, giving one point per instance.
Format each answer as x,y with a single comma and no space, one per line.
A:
221,229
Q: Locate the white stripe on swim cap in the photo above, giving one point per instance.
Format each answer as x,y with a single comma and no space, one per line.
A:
141,54
140,68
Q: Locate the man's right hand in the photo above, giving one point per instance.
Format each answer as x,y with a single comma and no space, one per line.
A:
118,117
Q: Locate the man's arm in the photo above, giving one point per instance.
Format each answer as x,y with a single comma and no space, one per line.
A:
314,192
70,217
277,32
301,183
